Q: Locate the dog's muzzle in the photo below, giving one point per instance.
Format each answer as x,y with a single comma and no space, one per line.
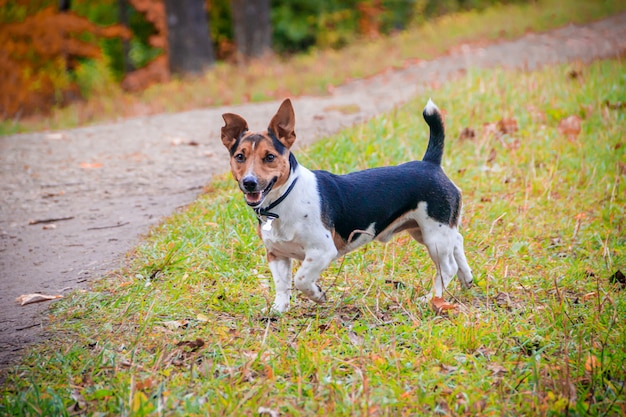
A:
253,191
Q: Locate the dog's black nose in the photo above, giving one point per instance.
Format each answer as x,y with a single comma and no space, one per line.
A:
249,183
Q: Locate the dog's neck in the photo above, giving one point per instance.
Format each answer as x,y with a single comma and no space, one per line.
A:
265,212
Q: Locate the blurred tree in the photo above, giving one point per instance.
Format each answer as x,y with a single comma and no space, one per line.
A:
190,50
38,49
123,17
252,27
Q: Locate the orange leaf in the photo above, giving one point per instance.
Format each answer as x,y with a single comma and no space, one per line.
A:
87,165
591,363
441,306
570,126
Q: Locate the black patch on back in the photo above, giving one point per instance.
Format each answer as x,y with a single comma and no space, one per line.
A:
381,195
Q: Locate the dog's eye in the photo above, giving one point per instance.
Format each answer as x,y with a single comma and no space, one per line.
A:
270,157
240,158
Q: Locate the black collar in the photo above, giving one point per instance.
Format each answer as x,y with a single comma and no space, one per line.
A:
266,211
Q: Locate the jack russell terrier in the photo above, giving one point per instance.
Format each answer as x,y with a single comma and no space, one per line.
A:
317,217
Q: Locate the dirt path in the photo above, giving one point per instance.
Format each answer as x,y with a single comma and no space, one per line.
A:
110,183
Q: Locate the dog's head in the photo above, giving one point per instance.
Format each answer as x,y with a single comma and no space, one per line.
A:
260,161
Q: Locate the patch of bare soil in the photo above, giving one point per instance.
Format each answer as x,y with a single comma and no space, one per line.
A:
74,202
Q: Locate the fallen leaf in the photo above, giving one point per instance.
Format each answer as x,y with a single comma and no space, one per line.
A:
88,165
355,338
467,134
202,317
492,155
618,278
570,126
441,306
55,136
507,126
591,364
490,129
175,324
587,296
503,300
574,74
497,369
447,369
193,344
268,411
35,298
79,402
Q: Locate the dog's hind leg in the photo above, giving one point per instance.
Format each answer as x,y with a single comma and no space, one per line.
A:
464,273
281,272
441,250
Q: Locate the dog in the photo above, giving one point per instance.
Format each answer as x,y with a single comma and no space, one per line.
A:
317,217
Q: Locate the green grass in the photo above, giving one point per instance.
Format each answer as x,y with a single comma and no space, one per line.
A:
181,330
320,70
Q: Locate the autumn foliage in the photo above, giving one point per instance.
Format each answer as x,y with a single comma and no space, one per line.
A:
157,70
38,54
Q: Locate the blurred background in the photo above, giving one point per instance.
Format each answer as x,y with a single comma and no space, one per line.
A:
53,53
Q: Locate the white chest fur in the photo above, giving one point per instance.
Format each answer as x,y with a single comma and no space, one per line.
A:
298,228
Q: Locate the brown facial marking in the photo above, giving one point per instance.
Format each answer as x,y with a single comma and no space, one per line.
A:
256,155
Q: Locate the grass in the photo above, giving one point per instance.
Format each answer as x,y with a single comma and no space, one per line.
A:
320,70
181,330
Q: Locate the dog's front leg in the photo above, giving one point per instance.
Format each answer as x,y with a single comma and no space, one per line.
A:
281,272
308,274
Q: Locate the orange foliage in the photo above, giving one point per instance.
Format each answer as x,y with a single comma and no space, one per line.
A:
35,56
157,70
154,12
369,21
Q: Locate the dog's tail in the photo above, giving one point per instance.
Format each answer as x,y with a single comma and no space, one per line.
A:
434,152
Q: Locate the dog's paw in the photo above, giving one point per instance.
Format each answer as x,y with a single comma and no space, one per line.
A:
280,306
466,279
320,296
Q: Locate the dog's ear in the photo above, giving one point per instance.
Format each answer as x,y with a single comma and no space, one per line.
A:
232,130
283,124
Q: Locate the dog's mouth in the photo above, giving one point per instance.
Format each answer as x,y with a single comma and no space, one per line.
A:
255,198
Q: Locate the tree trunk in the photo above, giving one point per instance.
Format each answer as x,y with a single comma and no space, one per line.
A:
252,27
190,50
123,20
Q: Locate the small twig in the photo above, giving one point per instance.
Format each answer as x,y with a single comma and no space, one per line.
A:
52,220
493,224
109,227
365,232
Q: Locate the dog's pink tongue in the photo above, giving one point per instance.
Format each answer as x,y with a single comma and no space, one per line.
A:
253,197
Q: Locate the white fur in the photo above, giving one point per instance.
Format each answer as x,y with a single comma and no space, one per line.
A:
431,108
299,233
